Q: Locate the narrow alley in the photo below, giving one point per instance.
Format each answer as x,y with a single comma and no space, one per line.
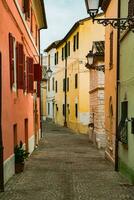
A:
67,167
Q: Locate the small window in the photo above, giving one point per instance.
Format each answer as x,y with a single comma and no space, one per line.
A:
67,84
76,110
78,40
111,51
56,86
68,48
74,43
53,83
76,80
63,109
64,84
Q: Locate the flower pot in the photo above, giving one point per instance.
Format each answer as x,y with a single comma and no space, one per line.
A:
19,167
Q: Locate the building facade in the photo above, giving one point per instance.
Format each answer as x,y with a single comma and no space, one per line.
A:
51,58
19,50
97,81
72,78
126,96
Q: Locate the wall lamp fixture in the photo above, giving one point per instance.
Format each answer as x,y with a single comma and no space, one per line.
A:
117,23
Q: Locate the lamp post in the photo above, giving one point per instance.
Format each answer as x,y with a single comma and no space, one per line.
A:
90,65
118,23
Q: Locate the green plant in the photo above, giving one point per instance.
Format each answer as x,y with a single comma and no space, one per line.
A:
20,153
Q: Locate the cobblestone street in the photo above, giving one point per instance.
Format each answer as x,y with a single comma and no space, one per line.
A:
67,167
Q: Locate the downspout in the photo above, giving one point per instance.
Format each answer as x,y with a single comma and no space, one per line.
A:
65,107
117,93
1,141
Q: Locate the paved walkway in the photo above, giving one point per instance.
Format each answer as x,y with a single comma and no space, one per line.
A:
67,167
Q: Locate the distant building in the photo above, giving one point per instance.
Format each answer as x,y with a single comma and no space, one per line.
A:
21,21
72,78
97,81
51,59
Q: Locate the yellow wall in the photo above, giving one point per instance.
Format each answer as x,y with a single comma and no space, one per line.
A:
88,32
110,83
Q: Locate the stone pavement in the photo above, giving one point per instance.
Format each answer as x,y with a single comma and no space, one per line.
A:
67,167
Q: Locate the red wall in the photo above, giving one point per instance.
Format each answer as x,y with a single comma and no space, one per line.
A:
16,105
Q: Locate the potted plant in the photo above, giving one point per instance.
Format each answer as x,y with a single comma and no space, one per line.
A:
20,156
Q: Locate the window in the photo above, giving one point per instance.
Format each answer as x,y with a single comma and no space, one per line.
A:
131,8
31,23
63,109
68,48
56,58
64,84
36,37
27,8
111,50
62,53
53,83
76,41
20,66
56,86
48,109
15,135
76,80
67,84
76,110
30,74
11,58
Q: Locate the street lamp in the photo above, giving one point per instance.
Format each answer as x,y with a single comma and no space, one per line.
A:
117,23
46,73
90,65
49,73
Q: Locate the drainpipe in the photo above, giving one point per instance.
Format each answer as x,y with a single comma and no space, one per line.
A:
65,107
1,142
117,93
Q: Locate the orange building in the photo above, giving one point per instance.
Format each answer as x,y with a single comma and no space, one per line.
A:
111,10
21,21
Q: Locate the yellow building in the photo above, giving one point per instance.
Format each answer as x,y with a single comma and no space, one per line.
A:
72,78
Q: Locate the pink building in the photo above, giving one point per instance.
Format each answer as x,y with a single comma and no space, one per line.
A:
20,25
96,94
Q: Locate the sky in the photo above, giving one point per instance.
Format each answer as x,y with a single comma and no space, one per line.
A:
61,16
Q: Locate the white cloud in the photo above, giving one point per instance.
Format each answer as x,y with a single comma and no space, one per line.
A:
61,15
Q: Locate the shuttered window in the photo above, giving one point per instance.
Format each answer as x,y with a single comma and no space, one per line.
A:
74,44
68,49
63,109
11,58
78,40
25,74
30,75
76,80
56,86
20,66
67,84
38,89
64,84
111,50
76,110
27,8
37,72
131,8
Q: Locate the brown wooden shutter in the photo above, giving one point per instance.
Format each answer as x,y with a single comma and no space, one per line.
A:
78,40
11,58
25,75
38,89
74,43
131,8
20,66
37,72
111,50
30,75
27,8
